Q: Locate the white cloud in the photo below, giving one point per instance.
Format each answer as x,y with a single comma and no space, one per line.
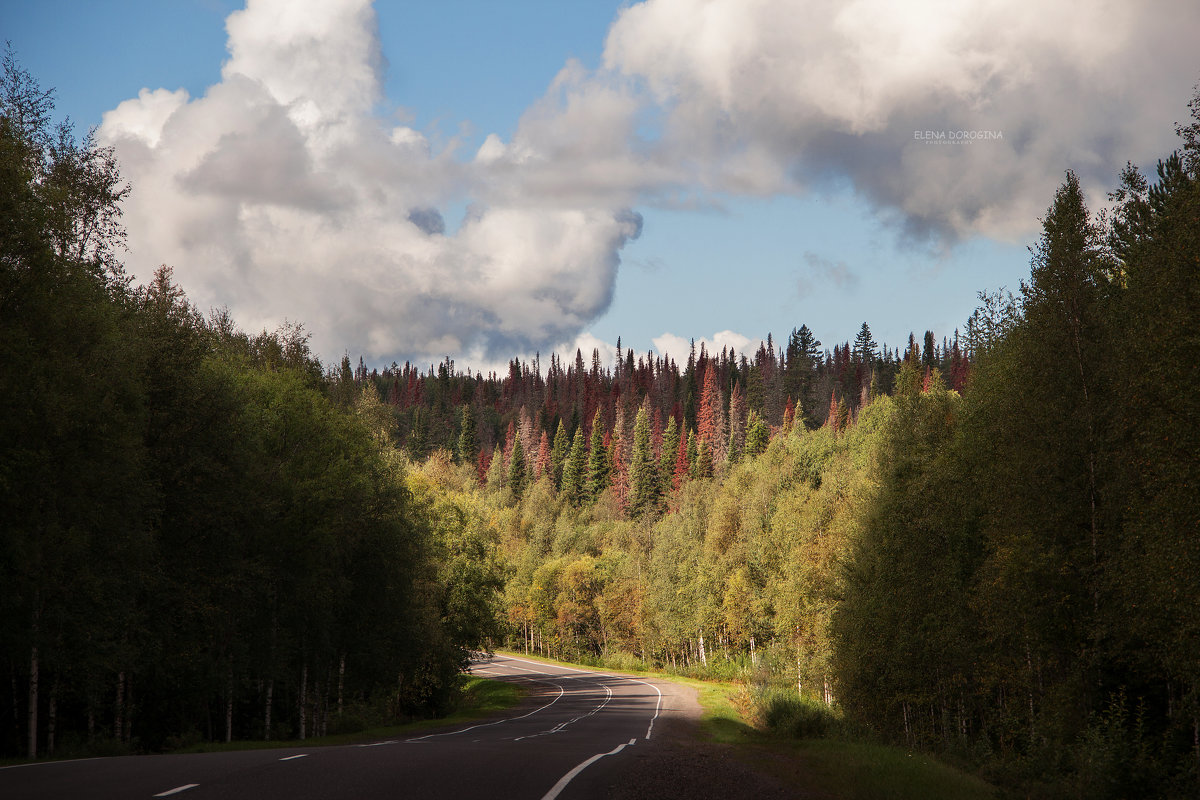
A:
767,96
281,194
678,348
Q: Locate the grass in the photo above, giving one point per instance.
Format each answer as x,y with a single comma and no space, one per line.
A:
481,697
831,766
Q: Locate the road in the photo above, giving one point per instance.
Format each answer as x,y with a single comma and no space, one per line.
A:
543,748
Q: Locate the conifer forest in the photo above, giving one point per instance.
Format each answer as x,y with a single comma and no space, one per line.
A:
982,543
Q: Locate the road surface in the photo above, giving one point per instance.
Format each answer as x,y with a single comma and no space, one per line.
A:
572,721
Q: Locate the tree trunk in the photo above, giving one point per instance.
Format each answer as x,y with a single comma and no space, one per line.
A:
267,712
119,711
229,704
52,718
703,655
341,682
33,697
303,699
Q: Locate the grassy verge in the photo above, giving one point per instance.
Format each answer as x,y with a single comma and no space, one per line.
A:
832,766
481,698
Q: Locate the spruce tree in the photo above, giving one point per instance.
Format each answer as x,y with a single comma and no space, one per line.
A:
516,469
558,454
670,452
465,452
598,460
645,485
574,471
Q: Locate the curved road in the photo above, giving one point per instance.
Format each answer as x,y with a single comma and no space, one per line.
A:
542,749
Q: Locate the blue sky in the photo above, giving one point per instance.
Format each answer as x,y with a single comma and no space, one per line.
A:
772,162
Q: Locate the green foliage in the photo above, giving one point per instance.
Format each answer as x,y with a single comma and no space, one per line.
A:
645,483
598,460
574,477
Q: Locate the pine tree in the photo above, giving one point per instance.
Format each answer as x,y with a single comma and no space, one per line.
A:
757,436
516,469
670,453
702,465
465,452
711,427
737,425
575,471
683,464
598,460
865,351
645,485
541,466
558,454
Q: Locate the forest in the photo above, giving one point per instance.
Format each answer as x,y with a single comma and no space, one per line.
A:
199,541
984,545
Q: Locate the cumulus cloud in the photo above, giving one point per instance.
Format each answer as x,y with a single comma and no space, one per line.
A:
280,194
678,348
283,193
777,96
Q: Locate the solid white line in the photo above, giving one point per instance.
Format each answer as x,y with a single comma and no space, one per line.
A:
177,790
49,763
560,726
657,707
561,691
291,758
565,779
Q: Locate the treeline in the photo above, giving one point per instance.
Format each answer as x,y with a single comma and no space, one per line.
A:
799,381
1007,573
198,542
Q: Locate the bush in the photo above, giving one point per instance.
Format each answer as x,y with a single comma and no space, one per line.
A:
785,713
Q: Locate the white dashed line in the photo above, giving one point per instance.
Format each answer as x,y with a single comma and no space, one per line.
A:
177,790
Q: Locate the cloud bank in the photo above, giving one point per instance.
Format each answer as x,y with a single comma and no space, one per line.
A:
284,192
280,193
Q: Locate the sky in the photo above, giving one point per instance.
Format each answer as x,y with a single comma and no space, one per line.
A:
484,180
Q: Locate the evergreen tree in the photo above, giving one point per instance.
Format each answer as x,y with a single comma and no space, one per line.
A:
598,460
758,436
865,349
516,469
737,425
558,454
645,484
467,447
575,471
670,453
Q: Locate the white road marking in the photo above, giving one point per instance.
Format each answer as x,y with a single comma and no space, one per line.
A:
565,779
177,790
52,763
376,744
657,707
292,758
562,725
561,691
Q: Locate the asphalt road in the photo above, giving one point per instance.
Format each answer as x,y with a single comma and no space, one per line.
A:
543,748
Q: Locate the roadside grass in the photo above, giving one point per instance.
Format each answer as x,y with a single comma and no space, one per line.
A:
481,698
833,765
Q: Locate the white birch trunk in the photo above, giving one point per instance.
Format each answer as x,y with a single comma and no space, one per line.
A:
703,655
